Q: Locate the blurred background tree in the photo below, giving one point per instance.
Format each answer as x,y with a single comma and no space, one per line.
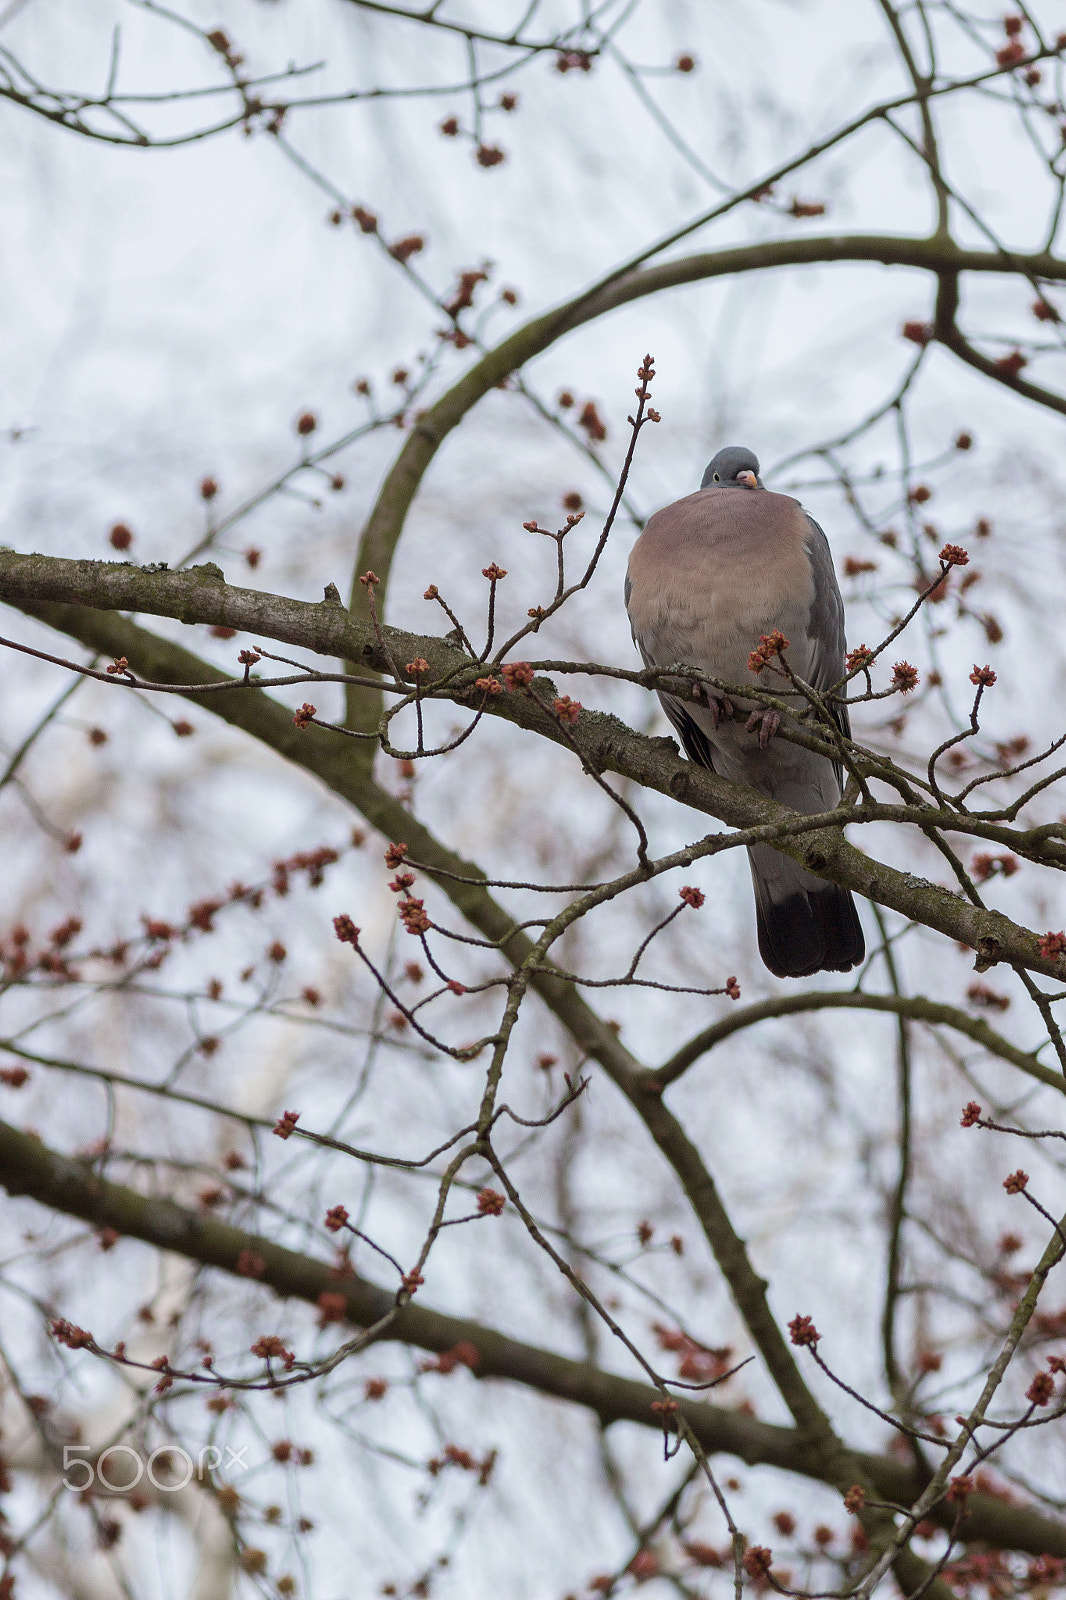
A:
347,1247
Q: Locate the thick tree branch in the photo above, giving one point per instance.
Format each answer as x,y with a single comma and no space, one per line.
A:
72,1187
917,1007
604,742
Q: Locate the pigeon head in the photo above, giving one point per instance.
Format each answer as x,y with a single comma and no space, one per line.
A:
733,465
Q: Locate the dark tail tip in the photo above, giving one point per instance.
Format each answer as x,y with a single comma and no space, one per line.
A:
812,931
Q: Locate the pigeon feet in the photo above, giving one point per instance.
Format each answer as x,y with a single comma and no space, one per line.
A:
720,706
767,723
721,709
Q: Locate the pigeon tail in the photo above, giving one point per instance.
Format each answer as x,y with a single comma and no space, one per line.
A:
812,928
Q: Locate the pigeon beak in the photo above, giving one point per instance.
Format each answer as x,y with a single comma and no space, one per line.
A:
748,479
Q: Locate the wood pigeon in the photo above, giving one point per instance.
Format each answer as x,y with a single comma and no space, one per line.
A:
707,578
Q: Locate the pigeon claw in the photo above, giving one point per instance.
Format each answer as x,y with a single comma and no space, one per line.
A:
720,706
721,709
767,723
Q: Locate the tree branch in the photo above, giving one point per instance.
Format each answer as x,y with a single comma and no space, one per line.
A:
914,1006
70,1186
201,595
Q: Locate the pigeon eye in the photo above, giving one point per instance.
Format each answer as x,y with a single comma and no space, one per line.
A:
717,477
